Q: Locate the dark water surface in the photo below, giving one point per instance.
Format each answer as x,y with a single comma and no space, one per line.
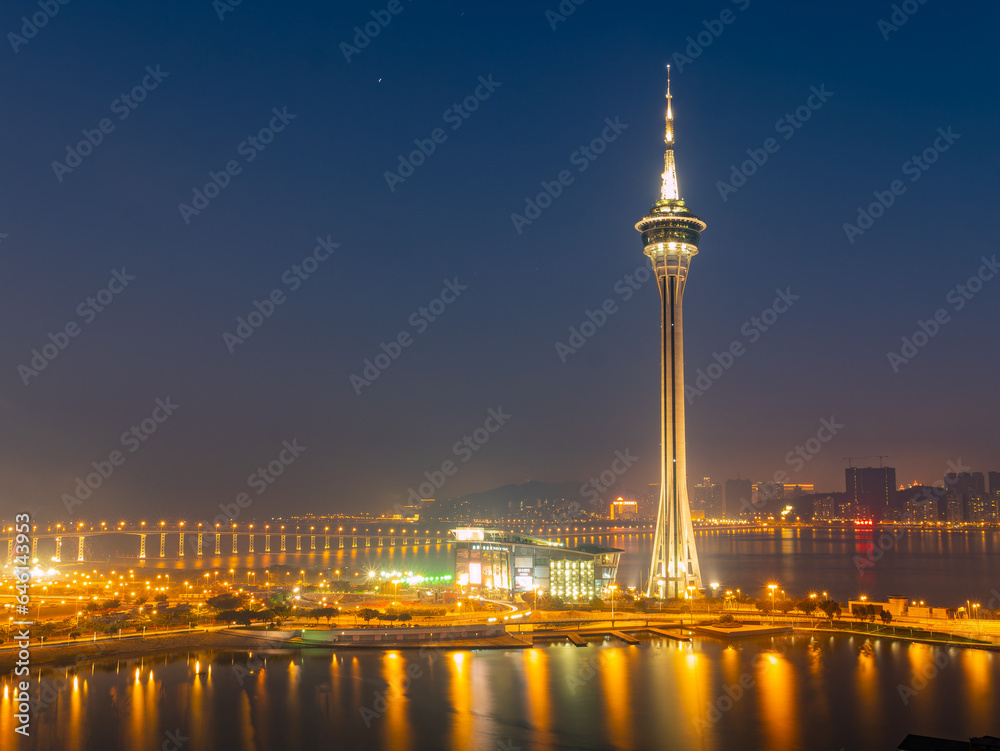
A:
787,693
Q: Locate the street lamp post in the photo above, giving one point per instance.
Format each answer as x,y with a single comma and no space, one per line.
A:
612,589
772,587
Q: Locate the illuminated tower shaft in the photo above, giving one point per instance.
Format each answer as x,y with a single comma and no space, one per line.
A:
670,235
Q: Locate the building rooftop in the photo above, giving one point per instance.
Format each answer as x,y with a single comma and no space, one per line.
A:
597,549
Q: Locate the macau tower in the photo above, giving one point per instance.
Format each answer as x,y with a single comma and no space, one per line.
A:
670,235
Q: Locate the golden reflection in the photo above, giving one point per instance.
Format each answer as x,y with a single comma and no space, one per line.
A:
613,669
334,681
690,694
248,737
866,683
925,663
775,679
201,721
815,652
731,668
397,723
75,737
461,690
142,710
6,714
294,677
975,666
536,673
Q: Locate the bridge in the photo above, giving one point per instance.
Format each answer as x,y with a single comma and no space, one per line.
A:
190,539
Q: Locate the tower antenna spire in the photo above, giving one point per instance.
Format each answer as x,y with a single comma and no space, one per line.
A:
669,190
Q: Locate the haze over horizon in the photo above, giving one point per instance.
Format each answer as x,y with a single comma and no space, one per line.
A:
426,271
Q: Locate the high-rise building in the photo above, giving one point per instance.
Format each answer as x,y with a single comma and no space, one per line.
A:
966,494
922,508
766,492
981,508
994,483
824,508
870,489
670,235
993,500
739,498
706,497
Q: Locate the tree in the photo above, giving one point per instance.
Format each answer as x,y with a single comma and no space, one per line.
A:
831,608
763,605
807,605
367,614
324,612
104,605
161,597
641,605
225,601
886,617
228,615
404,617
866,612
786,606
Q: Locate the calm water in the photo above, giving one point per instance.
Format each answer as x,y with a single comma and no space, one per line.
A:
799,692
945,567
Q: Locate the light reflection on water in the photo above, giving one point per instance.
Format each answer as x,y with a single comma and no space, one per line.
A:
799,692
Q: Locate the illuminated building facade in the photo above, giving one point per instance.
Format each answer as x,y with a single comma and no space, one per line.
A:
500,564
670,235
966,497
797,491
622,509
